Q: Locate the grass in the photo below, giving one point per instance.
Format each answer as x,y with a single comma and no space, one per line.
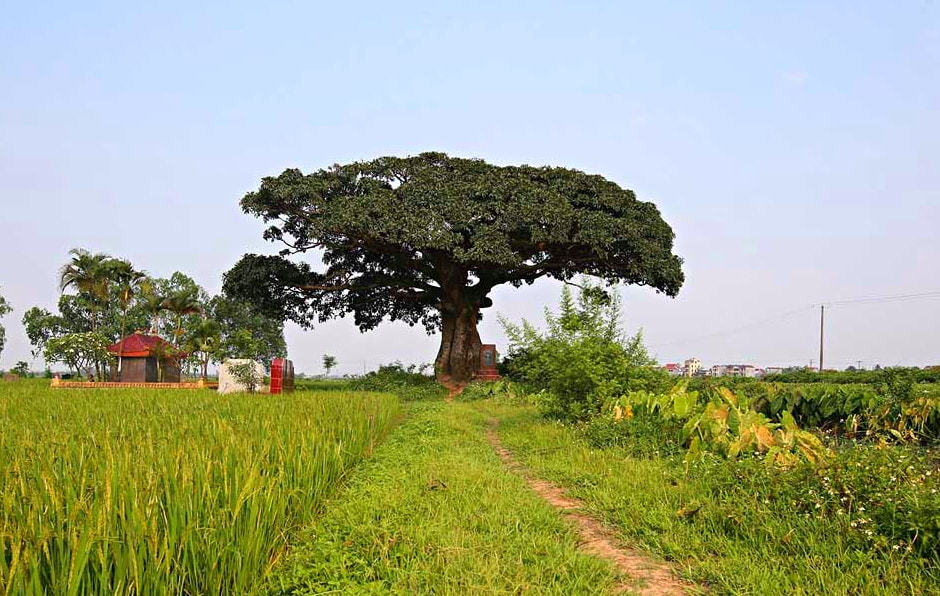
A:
733,526
322,385
174,491
435,511
150,492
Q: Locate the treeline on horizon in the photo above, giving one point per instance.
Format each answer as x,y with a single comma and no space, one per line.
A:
877,376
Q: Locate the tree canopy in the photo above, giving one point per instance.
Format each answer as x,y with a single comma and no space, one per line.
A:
424,239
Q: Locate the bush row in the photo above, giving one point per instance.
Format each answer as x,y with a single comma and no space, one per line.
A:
870,377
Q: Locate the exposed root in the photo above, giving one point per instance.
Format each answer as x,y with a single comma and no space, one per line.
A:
647,576
453,387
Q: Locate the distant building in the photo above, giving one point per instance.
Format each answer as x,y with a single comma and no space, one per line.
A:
733,370
716,370
692,367
673,369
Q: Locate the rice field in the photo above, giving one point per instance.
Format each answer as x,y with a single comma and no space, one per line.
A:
182,492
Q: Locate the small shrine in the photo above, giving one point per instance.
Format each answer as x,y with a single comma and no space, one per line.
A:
488,370
144,357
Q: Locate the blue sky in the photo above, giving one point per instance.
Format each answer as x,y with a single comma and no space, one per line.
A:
793,147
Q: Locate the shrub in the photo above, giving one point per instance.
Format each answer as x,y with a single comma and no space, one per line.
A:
246,374
583,359
409,383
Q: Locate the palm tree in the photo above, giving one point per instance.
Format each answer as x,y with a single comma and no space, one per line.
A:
88,273
163,352
204,339
182,303
128,282
151,300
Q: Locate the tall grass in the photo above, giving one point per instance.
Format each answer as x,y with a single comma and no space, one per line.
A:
147,492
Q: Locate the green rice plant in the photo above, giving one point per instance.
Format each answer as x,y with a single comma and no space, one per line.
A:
152,492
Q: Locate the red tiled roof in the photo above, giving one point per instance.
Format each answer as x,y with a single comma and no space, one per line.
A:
138,345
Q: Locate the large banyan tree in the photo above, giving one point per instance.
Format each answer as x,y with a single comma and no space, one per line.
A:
424,239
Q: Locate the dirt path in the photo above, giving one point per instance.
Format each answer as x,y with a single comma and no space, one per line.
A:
648,577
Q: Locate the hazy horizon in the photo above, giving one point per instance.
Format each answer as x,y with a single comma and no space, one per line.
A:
792,149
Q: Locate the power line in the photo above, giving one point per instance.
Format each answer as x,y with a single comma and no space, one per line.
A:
882,299
759,323
802,309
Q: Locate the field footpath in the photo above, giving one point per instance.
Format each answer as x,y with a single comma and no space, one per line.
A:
646,576
435,511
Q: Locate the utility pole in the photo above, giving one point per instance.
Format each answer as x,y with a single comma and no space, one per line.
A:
822,317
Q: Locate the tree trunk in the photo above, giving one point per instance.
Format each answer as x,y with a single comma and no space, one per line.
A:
96,366
120,365
459,356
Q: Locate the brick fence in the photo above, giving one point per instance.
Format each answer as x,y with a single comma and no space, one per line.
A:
108,385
